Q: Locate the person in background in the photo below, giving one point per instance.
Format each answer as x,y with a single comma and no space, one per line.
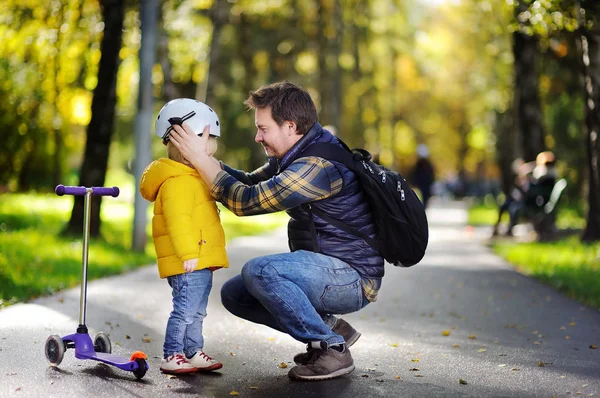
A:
514,198
188,236
536,181
423,174
544,177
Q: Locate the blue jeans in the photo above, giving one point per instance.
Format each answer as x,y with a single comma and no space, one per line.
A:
295,293
190,299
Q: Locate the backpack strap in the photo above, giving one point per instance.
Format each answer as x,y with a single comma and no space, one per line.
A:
345,156
327,151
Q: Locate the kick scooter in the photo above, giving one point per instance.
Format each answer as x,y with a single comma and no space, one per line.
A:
100,349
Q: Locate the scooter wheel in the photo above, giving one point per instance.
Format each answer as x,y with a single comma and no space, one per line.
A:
102,343
55,349
142,368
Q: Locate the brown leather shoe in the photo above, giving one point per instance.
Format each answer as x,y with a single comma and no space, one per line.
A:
324,364
340,327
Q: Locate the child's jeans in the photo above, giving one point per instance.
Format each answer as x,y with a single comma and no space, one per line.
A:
190,299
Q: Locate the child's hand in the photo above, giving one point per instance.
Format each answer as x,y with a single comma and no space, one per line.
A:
190,265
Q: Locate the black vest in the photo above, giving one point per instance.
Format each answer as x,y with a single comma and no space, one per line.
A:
349,206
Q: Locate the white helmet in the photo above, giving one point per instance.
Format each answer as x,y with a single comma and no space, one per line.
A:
195,113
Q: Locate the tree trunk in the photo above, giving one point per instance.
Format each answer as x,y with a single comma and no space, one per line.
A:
219,15
527,99
325,91
329,42
100,129
590,45
336,50
506,147
169,90
257,158
359,37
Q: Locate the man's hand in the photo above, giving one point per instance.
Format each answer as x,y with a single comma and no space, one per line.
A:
190,265
191,146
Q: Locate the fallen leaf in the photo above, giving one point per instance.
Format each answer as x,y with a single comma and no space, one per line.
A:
397,377
253,387
540,364
233,393
364,376
146,339
515,369
567,338
394,345
413,369
537,342
593,346
415,360
283,365
127,336
231,353
455,345
446,333
473,336
419,376
271,338
572,324
461,381
482,350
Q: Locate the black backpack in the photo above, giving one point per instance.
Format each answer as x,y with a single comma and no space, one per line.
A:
399,215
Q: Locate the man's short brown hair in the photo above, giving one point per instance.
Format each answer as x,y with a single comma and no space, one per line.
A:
288,102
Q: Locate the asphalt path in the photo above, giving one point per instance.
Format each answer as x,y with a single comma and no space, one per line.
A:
461,323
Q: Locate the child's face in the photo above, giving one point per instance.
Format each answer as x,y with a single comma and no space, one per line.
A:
174,154
211,146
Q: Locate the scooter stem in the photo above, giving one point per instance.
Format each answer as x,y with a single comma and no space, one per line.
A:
84,262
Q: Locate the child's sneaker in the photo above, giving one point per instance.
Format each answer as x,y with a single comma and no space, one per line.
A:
176,364
203,362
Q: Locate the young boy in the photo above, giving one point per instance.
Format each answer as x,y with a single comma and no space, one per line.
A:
188,236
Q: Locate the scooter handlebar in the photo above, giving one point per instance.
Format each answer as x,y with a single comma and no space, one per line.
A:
80,191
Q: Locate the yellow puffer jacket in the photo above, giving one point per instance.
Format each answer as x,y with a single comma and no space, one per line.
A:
186,222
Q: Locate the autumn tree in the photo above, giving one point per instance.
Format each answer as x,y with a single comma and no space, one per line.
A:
590,46
100,129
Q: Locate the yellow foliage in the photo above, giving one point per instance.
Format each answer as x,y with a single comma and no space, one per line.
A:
306,63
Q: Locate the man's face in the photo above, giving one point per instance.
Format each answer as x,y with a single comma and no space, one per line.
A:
276,140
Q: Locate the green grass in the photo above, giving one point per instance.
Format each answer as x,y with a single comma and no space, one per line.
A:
567,264
36,260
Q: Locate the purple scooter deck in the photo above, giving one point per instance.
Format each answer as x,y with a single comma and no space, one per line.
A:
84,349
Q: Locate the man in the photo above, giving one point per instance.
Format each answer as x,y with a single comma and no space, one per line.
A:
328,271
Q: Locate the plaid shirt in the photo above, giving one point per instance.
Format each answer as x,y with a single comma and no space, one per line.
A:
305,180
